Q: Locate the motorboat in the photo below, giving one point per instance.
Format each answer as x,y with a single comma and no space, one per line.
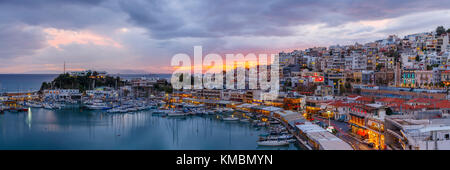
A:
51,106
232,118
160,112
114,110
34,105
98,106
175,114
280,137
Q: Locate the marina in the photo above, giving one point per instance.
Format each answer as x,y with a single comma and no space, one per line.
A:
107,120
268,126
90,129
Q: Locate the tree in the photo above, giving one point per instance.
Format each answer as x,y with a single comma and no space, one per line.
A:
440,30
389,111
448,30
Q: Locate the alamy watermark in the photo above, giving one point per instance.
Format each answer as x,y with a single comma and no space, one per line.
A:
241,72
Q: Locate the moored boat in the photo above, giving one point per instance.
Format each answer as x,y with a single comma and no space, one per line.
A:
273,143
98,106
244,120
230,118
280,137
175,114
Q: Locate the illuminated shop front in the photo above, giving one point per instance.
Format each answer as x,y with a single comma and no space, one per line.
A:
368,129
327,114
375,133
357,124
311,110
292,103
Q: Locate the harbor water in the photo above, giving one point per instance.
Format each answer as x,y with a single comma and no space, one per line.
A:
75,128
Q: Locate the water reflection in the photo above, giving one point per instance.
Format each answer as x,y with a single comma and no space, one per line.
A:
29,118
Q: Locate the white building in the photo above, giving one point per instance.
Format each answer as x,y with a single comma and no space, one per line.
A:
61,93
418,134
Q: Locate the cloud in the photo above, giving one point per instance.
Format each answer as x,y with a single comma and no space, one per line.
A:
58,37
139,35
220,18
19,40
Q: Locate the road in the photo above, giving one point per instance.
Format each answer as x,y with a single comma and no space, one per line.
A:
343,130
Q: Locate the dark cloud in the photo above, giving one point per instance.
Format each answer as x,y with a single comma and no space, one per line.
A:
221,18
161,28
31,3
65,14
204,18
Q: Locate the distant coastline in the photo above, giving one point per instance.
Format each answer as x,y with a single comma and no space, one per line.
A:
32,82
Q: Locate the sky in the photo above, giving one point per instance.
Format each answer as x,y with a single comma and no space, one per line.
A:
142,36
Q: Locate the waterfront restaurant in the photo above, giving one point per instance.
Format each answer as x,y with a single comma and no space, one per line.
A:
289,117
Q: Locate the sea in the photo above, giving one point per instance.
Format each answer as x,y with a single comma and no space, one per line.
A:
74,128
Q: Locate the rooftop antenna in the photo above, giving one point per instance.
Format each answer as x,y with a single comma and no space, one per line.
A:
64,67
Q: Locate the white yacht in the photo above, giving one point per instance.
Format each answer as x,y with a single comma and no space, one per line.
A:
98,106
273,143
232,118
175,114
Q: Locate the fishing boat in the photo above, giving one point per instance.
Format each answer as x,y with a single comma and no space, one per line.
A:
273,143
